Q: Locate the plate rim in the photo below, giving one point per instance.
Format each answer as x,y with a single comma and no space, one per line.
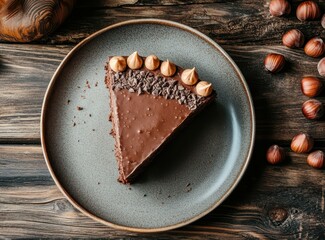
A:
159,22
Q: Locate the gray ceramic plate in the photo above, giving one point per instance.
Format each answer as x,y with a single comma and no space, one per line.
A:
193,174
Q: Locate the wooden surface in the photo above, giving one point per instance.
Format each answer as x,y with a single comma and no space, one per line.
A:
277,202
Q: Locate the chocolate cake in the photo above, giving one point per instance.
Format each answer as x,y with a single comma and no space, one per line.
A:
149,101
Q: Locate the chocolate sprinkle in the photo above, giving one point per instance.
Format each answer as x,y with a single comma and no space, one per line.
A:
140,82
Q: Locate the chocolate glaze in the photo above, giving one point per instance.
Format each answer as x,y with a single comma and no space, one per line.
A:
143,123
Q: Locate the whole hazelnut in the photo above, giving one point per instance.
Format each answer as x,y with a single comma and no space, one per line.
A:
321,67
315,47
279,7
203,88
275,154
313,109
311,86
308,10
293,38
274,62
316,159
322,21
302,143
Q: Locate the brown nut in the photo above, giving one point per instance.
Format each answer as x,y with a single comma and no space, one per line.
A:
293,38
323,21
204,88
275,154
316,159
279,8
302,143
311,86
308,10
321,67
274,62
313,109
117,63
315,47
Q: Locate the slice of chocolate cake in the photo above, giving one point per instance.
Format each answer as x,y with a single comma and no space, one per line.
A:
149,101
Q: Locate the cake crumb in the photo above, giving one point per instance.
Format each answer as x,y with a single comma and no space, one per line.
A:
74,124
87,84
68,101
96,84
89,115
144,195
79,108
189,184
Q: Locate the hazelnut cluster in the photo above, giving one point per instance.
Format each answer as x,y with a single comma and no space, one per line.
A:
311,86
301,143
167,68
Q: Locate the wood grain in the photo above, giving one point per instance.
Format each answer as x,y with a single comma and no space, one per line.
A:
27,69
28,20
274,201
271,202
228,22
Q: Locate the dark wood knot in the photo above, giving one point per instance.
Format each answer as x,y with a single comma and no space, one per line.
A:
278,215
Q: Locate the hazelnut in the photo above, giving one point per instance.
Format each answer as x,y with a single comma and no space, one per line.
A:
321,67
274,62
308,10
134,61
167,68
302,143
316,159
117,63
313,109
189,76
279,7
315,47
152,62
323,21
204,88
293,39
275,154
311,86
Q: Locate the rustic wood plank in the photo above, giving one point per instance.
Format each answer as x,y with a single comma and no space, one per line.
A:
27,69
275,201
228,22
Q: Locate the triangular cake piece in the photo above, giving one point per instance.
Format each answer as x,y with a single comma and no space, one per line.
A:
149,101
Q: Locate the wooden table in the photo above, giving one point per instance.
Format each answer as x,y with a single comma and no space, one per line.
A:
276,202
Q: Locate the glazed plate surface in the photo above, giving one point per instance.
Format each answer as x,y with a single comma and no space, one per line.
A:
191,176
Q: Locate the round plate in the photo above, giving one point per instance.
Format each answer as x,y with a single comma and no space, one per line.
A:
191,176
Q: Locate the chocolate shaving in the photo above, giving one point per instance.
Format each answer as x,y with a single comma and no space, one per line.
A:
141,82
